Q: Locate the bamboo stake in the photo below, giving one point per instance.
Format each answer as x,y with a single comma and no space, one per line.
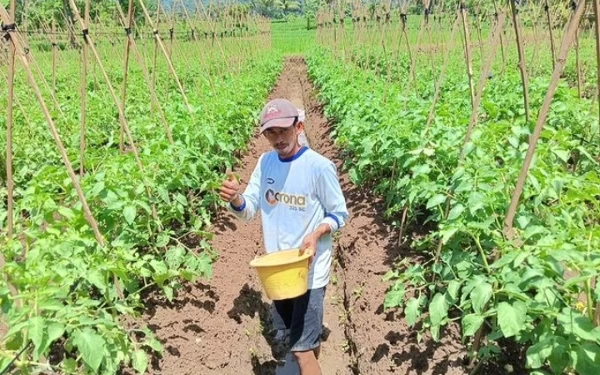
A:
578,65
597,33
442,78
552,48
155,48
9,134
501,38
522,58
19,49
404,19
163,49
122,118
139,56
84,92
483,79
560,64
468,61
54,55
126,68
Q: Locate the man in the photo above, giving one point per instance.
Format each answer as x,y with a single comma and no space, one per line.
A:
301,204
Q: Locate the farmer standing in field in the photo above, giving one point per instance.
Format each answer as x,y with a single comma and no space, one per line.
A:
301,203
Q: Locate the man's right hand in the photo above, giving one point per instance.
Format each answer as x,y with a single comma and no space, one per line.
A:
230,190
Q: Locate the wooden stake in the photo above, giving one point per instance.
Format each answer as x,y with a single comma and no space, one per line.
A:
442,78
155,55
126,68
54,55
560,64
578,65
522,58
9,134
21,53
467,41
84,92
597,33
552,48
483,79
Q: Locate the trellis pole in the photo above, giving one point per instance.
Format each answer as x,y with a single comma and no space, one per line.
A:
156,47
84,66
467,41
549,19
522,63
442,78
9,126
54,55
126,68
597,33
419,39
577,59
19,50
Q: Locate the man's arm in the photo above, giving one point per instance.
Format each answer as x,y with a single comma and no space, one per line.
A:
329,192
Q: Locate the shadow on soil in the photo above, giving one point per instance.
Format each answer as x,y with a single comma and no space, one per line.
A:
416,356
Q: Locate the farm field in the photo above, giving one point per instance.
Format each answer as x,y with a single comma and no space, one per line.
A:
474,236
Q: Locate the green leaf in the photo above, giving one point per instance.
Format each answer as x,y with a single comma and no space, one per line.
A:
140,361
91,347
69,365
55,331
129,212
471,324
579,325
538,353
436,200
394,297
438,309
586,359
412,311
447,234
453,288
456,211
96,278
511,318
562,154
37,332
66,212
480,296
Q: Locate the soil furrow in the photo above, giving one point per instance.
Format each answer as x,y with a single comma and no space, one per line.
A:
222,326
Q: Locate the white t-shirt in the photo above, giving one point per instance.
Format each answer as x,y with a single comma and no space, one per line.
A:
295,196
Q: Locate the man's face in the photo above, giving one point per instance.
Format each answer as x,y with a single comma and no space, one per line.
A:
284,140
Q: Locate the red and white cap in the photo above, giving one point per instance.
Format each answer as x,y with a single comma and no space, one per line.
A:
278,113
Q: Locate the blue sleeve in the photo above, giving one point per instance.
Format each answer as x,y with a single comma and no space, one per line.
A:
329,193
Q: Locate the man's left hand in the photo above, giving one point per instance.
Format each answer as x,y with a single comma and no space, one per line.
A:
309,245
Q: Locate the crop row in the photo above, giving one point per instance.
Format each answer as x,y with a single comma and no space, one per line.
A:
536,288
71,293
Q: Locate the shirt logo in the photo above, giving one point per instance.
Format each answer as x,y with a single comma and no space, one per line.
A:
270,181
296,201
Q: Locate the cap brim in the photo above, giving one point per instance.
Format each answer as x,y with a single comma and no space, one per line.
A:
278,123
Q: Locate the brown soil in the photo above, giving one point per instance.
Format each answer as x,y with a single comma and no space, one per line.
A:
222,326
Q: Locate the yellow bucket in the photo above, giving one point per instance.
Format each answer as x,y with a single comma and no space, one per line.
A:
283,274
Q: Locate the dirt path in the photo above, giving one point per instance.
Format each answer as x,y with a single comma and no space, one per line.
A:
223,326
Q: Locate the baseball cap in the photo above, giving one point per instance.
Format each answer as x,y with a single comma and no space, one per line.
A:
278,113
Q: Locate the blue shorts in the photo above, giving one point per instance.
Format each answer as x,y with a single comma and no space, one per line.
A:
303,317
